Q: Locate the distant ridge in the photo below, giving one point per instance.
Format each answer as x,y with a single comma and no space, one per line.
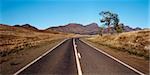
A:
77,28
28,26
90,29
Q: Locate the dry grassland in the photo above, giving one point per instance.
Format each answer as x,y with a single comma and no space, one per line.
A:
135,42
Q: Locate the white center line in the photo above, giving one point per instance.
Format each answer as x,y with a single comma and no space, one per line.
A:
77,59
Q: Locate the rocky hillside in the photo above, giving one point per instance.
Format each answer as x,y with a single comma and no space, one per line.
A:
77,28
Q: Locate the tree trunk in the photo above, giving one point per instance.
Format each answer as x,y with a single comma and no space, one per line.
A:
109,29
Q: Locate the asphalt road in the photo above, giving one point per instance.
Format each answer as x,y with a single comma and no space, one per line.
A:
62,61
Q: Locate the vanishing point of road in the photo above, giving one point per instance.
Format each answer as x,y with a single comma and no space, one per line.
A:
75,57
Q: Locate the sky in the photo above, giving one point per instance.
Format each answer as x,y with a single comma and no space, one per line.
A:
48,13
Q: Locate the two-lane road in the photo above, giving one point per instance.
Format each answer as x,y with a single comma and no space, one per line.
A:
63,61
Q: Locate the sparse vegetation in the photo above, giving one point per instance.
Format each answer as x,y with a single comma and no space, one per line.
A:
14,39
13,44
135,43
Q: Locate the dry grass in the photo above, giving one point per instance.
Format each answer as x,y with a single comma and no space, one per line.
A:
14,39
136,42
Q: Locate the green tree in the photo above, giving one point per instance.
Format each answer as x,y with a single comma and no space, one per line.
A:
109,18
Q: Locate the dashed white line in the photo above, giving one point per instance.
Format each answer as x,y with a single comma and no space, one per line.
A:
77,59
22,69
79,55
75,45
135,70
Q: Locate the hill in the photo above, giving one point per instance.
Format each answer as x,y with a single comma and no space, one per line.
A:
27,26
77,28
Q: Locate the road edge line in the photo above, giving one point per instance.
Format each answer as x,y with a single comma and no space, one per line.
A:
38,58
77,59
126,65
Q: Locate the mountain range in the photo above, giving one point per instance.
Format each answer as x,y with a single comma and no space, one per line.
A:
90,29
